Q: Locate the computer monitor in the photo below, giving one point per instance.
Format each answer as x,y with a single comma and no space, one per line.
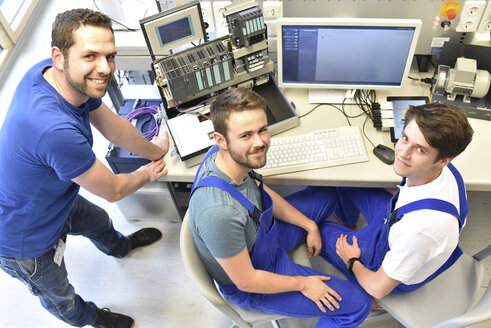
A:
345,53
173,28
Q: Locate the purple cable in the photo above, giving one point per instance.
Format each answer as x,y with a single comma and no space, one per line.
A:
152,110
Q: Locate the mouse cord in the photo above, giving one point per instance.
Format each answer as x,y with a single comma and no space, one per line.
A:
363,129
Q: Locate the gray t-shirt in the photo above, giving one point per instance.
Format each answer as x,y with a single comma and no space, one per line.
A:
221,225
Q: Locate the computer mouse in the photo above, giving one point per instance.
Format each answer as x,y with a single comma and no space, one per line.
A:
384,153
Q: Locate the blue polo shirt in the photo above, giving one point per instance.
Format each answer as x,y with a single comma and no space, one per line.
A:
44,143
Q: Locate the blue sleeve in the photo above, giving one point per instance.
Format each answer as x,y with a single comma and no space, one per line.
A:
67,151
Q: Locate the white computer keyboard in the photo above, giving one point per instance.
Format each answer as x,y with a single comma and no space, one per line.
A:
322,148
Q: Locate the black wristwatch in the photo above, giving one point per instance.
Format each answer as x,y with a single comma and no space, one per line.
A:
351,261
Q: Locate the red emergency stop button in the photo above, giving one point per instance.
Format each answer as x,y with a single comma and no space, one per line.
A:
451,13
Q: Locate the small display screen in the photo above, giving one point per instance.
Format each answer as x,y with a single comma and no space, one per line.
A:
399,107
173,28
175,31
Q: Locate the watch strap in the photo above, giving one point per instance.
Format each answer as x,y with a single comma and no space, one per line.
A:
351,261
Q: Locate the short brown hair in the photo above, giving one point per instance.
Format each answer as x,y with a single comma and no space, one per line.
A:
67,22
233,100
444,126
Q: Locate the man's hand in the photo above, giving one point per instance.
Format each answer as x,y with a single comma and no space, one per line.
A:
346,251
154,170
162,142
316,290
314,240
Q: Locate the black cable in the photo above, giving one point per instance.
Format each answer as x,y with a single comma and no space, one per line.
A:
364,133
428,80
327,104
364,100
310,111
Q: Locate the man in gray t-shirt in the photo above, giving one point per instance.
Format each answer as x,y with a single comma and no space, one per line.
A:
243,241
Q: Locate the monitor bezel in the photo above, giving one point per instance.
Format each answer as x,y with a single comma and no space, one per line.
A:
382,22
148,24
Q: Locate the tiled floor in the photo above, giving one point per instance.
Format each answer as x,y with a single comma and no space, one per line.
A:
151,284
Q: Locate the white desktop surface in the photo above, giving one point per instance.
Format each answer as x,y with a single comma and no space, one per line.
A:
473,163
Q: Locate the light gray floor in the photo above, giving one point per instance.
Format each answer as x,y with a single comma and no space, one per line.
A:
150,284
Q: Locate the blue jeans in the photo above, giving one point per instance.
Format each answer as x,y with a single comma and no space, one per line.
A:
49,282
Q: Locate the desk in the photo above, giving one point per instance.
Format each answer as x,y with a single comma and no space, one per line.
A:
473,163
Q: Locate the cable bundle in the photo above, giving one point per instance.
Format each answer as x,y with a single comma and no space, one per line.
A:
155,111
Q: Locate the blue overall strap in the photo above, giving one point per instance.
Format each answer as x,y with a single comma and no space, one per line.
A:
464,207
225,186
429,204
217,182
210,152
437,204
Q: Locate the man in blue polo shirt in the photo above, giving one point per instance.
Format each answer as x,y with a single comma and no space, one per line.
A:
46,151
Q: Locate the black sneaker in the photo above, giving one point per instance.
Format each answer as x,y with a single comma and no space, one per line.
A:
104,318
144,237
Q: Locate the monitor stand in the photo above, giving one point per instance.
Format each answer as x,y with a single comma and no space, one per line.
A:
331,96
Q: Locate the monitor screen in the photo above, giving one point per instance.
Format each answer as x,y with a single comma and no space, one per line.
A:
173,28
345,53
173,31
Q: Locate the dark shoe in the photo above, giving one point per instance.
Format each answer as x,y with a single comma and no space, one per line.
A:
144,237
104,318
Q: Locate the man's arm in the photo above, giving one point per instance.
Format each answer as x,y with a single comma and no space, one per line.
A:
378,284
102,182
284,211
239,268
122,133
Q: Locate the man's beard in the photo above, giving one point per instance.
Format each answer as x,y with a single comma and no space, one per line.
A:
245,160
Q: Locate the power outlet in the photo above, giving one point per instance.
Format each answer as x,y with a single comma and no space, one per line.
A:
220,21
485,26
207,13
272,9
470,15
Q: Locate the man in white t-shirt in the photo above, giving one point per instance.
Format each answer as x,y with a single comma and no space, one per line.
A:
412,233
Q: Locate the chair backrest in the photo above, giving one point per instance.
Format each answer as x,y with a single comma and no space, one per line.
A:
448,295
242,317
195,268
479,313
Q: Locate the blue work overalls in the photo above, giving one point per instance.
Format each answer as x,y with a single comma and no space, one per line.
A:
374,238
270,254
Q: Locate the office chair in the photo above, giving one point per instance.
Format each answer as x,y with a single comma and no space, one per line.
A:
241,317
445,301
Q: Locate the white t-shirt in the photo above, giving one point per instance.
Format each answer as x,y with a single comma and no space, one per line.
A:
423,240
